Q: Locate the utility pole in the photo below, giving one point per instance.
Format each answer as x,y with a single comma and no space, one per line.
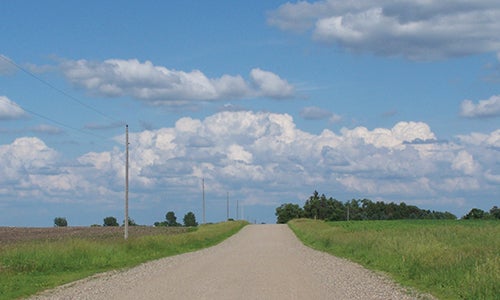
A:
237,209
126,183
203,189
227,207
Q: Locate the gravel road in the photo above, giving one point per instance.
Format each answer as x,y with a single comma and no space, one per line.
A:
260,262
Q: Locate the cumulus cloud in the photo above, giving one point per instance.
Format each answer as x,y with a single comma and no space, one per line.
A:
10,110
264,158
162,86
267,149
464,162
483,109
481,139
270,85
396,137
25,156
417,30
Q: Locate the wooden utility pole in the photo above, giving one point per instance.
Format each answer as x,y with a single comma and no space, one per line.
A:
237,209
203,190
126,183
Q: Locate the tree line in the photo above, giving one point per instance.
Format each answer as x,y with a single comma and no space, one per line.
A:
329,209
189,220
479,214
171,220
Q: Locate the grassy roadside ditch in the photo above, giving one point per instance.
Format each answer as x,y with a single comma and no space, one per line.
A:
32,266
448,259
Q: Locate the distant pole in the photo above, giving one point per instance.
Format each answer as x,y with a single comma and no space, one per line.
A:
203,191
227,207
237,209
126,182
347,212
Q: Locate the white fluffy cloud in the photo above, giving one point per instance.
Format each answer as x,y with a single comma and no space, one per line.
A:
484,108
267,150
464,162
264,158
418,30
159,85
271,85
481,139
9,109
23,158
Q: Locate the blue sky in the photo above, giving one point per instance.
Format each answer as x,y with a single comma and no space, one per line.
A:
266,100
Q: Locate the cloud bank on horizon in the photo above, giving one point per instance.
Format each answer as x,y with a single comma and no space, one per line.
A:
261,153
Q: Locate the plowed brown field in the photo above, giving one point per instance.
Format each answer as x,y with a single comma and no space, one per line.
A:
22,234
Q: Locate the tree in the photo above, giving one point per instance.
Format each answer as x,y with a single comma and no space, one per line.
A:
110,221
336,210
353,210
311,206
495,212
190,220
60,222
474,213
131,222
287,212
171,219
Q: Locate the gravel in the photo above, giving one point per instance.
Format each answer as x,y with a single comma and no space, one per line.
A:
260,262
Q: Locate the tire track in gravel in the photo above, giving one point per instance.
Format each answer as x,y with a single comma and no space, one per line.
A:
259,262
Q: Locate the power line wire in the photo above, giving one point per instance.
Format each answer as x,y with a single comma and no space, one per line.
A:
52,120
74,99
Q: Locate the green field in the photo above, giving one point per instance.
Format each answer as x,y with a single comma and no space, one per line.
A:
448,259
28,267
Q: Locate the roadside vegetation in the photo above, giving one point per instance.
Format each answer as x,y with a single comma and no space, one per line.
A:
450,259
27,267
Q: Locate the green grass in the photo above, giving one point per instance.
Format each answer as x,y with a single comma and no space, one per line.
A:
29,267
448,259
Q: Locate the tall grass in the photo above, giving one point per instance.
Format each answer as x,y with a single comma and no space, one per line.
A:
449,259
29,267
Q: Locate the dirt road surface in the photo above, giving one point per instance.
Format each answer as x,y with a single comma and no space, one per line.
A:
260,262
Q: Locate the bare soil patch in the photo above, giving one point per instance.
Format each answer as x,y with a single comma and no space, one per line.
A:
24,234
